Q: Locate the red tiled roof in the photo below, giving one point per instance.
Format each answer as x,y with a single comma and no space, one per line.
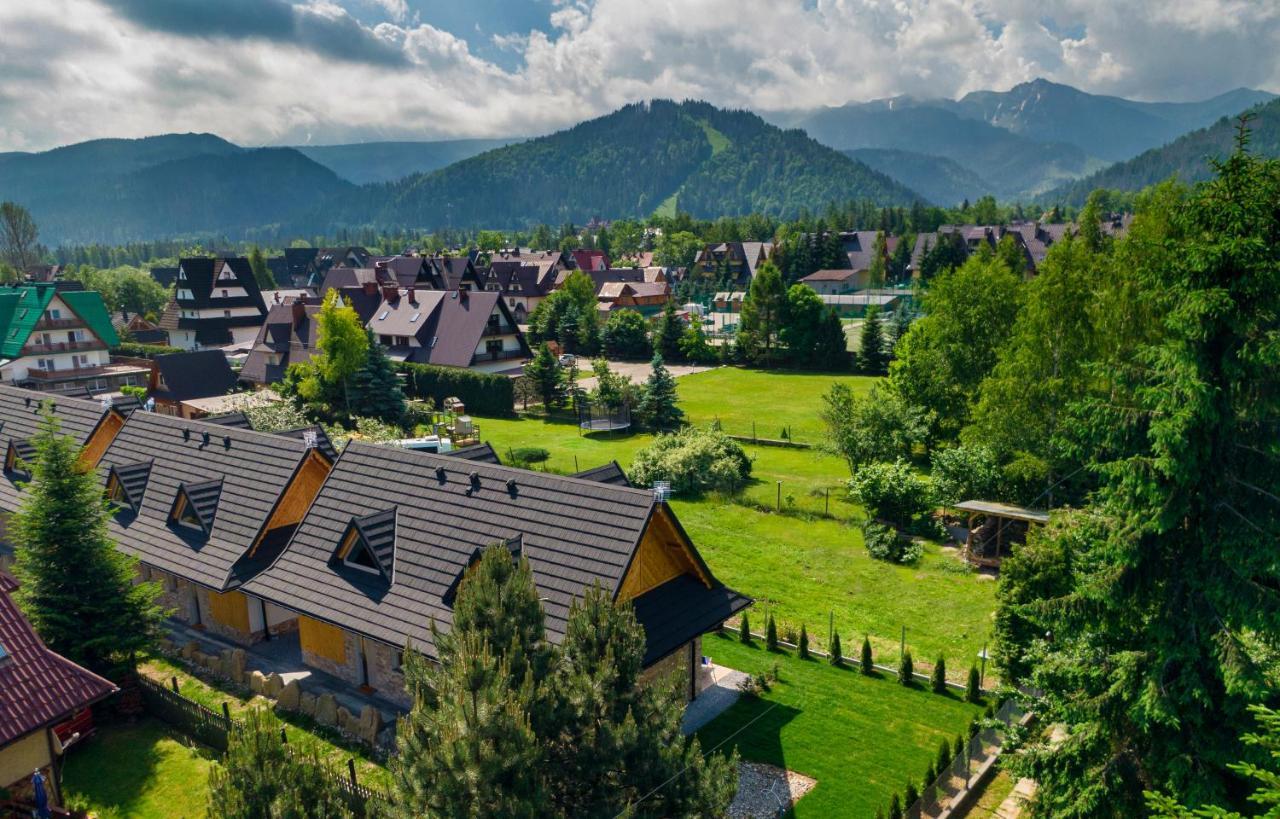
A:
8,584
37,687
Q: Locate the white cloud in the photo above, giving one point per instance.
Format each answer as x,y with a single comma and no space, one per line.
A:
76,69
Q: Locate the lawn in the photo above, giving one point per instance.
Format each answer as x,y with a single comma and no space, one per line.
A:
140,771
862,738
809,563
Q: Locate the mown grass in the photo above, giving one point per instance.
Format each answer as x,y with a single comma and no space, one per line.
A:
138,771
862,738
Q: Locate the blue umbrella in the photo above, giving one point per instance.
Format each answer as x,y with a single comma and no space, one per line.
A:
42,798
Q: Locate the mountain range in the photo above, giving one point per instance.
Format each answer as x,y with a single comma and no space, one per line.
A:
1038,140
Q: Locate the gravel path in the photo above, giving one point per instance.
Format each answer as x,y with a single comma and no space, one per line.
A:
762,789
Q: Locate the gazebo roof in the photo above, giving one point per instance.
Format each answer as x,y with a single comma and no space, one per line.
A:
1004,510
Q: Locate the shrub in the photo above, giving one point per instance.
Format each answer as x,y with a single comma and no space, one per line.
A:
906,669
694,461
879,813
884,543
771,635
139,393
973,688
528,455
750,687
945,754
135,349
938,680
744,630
930,774
965,473
910,796
837,659
879,426
804,642
483,393
866,662
895,807
890,491
957,747
990,713
626,335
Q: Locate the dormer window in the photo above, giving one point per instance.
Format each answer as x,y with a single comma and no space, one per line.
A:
369,544
196,505
18,458
126,484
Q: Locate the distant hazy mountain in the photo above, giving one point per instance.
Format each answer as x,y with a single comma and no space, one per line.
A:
119,190
1011,166
704,160
938,179
1186,157
364,162
1111,128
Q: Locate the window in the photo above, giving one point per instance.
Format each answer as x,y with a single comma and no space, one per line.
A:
385,341
355,553
55,313
46,364
224,294
494,347
116,493
185,514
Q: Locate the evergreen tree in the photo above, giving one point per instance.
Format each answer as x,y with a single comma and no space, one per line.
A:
872,359
938,679
543,372
973,686
906,669
910,794
945,754
865,662
76,588
262,776
1153,663
803,324
763,316
895,807
744,630
837,658
659,405
804,642
831,346
771,635
878,272
667,332
375,387
261,274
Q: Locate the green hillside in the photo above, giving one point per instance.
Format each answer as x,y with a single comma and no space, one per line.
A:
364,162
1187,157
942,181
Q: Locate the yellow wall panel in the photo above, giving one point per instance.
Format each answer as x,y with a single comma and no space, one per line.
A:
230,609
322,639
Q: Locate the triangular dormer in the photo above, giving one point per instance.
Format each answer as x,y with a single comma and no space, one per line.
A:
127,483
19,456
369,544
196,505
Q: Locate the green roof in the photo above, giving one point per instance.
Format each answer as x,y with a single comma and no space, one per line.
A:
21,307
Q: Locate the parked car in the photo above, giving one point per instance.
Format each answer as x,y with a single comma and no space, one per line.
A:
568,360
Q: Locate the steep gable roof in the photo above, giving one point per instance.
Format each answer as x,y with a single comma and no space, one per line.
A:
610,473
38,688
197,374
20,421
201,276
233,477
88,305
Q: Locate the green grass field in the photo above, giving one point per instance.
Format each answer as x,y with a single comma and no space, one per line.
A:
860,737
139,771
805,566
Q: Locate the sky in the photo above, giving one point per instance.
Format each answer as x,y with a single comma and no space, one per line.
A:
282,72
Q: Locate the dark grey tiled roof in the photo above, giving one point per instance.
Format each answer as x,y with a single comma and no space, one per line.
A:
573,532
681,609
231,419
197,374
250,469
610,473
477,452
323,443
133,479
20,420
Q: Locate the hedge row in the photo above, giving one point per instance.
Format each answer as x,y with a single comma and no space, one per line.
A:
483,393
135,350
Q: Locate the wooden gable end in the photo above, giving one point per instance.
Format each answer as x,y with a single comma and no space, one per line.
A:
664,554
101,437
298,495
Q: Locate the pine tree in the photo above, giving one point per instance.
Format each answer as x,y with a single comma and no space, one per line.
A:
763,316
895,807
910,795
958,746
543,372
871,355
261,273
837,659
938,680
744,630
659,406
831,346
375,387
76,588
261,776
667,332
804,642
771,635
906,670
973,688
945,754
866,663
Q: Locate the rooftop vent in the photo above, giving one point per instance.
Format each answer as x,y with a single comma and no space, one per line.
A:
440,474
511,485
475,480
309,439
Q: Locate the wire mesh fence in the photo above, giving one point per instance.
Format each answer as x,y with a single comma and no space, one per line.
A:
960,775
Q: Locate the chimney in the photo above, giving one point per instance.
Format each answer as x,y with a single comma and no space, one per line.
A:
413,298
299,312
463,293
370,288
390,292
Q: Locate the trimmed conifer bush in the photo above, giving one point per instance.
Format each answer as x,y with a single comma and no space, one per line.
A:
865,662
771,635
911,796
973,688
945,754
804,642
938,680
930,774
906,669
957,747
895,807
744,630
837,659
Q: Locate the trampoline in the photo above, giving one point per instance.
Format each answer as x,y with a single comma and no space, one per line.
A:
596,417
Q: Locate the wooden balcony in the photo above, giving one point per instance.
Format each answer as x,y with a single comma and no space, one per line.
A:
39,348
63,375
46,323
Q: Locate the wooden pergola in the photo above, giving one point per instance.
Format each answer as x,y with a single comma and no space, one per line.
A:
1002,512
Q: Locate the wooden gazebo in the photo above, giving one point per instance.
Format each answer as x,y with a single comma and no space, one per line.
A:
999,517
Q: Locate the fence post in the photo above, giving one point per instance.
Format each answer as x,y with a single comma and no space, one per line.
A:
174,681
827,509
779,505
575,464
351,769
226,714
284,738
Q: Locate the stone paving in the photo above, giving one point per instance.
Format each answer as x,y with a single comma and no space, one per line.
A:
715,699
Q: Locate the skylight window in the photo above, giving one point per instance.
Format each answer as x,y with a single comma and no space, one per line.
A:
434,339
4,653
414,317
384,314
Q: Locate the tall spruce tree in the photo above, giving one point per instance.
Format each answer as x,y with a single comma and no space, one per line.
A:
831,346
544,373
375,388
667,332
1157,649
762,318
659,405
76,588
872,358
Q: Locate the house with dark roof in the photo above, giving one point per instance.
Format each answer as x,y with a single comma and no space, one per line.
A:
523,277
379,555
217,303
58,338
178,378
91,424
288,336
136,327
165,276
737,261
39,690
455,328
202,506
